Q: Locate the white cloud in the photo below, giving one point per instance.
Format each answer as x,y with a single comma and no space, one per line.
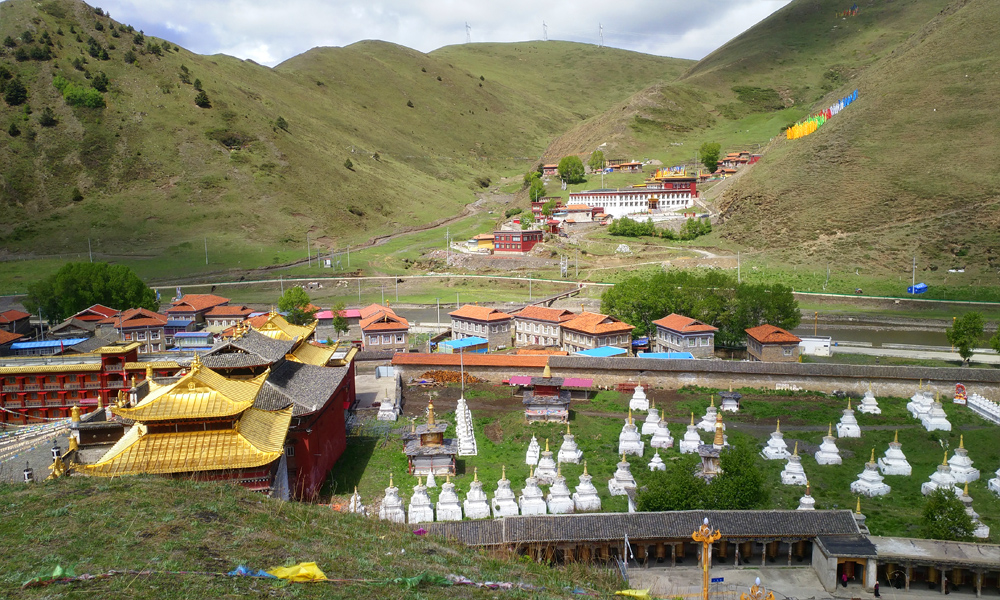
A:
270,32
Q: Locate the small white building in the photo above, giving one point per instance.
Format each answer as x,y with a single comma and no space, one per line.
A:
816,345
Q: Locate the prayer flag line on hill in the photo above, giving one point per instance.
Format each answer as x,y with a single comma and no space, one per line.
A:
814,122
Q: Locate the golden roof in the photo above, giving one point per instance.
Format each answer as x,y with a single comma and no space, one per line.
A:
117,349
202,393
72,368
257,440
311,355
278,328
164,364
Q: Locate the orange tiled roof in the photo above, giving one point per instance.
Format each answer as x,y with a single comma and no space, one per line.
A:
483,236
543,313
95,313
479,313
136,317
373,309
769,334
7,337
683,324
384,321
596,323
470,360
577,207
196,302
541,352
229,311
9,316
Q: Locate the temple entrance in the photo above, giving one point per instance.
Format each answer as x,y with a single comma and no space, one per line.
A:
853,569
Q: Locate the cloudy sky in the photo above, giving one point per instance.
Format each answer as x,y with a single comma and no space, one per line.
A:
271,31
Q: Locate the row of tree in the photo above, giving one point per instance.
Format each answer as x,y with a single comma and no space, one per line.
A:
712,297
967,331
740,486
691,229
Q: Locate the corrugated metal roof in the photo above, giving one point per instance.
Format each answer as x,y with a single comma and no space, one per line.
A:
65,343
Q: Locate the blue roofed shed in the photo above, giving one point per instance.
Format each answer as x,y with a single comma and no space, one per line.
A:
602,352
469,345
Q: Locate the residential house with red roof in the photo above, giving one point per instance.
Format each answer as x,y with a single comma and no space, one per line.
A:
540,326
768,343
225,315
15,321
194,307
383,329
482,321
140,325
677,333
96,312
6,339
593,330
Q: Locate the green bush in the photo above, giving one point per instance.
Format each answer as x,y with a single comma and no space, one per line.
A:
76,95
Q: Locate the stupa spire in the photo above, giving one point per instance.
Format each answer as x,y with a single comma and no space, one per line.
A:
546,444
858,508
895,438
796,451
829,430
778,426
961,441
945,461
584,467
475,474
872,459
430,412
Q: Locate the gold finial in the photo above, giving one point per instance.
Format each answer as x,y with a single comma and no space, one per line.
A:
475,473
133,381
869,386
692,418
652,404
895,438
584,467
630,415
447,477
546,444
390,479
149,372
420,481
273,313
623,457
808,489
961,441
720,439
730,385
531,472
430,412
503,472
712,402
567,428
921,384
858,509
829,430
796,451
945,461
547,372
355,490
100,402
413,426
559,470
778,426
74,414
848,404
73,445
872,459
965,492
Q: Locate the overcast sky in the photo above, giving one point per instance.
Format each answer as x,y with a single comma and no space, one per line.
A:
271,31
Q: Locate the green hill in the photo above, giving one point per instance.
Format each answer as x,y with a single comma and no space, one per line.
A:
185,532
155,171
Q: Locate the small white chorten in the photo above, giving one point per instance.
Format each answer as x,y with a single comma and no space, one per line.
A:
639,400
652,420
894,462
828,453
560,500
532,500
662,437
623,479
392,505
691,439
355,506
504,501
870,483
585,497
657,463
793,473
421,510
776,448
387,410
708,420
848,425
942,478
463,429
936,419
531,458
807,502
629,440
920,403
546,472
449,508
569,452
981,530
869,405
730,400
476,503
431,482
961,465
994,484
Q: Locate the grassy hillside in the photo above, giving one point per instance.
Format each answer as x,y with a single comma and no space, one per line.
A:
901,171
94,526
157,172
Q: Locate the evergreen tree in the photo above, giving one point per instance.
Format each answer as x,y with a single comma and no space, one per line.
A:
14,93
944,518
47,118
202,100
100,82
13,130
281,123
571,169
197,84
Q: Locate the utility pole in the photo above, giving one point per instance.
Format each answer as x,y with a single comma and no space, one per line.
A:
308,251
601,33
439,313
578,264
348,256
90,250
397,290
447,245
738,278
545,32
456,300
529,287
206,251
41,324
281,281
914,284
383,293
359,290
468,33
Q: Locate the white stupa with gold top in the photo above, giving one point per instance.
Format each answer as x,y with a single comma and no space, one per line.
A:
870,482
629,440
941,479
894,462
569,452
652,420
534,451
961,465
707,422
869,405
476,503
920,403
623,479
421,510
848,425
692,439
828,453
776,448
980,530
638,401
449,507
807,502
504,501
392,505
355,506
662,437
585,497
560,499
657,463
546,471
936,419
793,473
532,500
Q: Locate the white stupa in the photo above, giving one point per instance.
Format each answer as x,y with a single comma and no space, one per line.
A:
652,420
504,501
935,419
730,400
828,453
421,510
662,437
657,463
793,473
532,500
449,508
708,420
848,425
942,478
623,479
387,410
894,462
629,440
961,465
431,482
531,458
355,506
560,499
476,503
546,471
870,483
691,439
392,505
807,502
920,403
585,497
994,484
463,429
569,452
776,448
869,405
981,530
639,400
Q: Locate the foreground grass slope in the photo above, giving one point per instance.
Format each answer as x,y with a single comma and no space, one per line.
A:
94,526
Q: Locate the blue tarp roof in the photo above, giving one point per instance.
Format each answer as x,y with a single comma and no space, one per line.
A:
920,288
47,344
178,322
465,342
602,352
665,355
640,341
192,334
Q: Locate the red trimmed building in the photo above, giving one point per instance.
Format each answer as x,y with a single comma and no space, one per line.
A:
140,325
225,315
15,321
768,343
484,322
383,329
593,330
194,307
540,326
677,333
519,241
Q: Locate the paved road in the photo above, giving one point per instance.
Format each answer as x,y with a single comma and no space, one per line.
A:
990,359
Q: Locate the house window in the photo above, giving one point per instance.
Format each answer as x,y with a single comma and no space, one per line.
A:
399,338
373,340
141,336
154,335
787,351
386,339
290,451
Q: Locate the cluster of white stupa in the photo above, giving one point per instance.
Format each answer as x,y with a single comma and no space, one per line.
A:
928,411
984,407
463,429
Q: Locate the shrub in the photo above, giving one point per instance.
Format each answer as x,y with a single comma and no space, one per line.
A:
202,100
27,37
513,211
76,95
47,118
128,57
100,82
14,93
348,165
76,195
281,123
13,130
21,54
9,42
197,84
409,103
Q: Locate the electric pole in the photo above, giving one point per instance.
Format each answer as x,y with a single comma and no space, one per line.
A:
206,252
545,32
601,34
90,250
468,33
308,251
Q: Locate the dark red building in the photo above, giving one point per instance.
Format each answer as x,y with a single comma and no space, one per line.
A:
516,241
